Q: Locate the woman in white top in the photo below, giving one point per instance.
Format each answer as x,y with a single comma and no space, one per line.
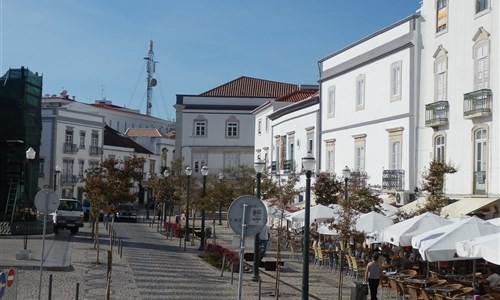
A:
373,274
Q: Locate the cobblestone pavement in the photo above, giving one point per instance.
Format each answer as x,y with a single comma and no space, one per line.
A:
155,267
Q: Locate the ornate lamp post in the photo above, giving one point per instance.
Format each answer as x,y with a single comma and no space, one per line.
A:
221,176
165,175
308,163
204,172
189,171
258,166
30,156
346,173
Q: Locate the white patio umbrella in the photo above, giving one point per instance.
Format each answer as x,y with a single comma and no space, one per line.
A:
400,234
372,221
438,244
318,212
388,210
324,228
485,247
495,221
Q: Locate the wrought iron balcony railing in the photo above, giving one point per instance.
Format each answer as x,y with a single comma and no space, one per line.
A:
477,104
95,150
68,179
288,165
70,148
393,180
436,114
274,167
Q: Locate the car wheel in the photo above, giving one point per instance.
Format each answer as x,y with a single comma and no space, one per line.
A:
74,230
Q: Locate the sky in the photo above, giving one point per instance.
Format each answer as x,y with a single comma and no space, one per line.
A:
95,48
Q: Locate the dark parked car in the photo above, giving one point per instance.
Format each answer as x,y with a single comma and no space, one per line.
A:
126,212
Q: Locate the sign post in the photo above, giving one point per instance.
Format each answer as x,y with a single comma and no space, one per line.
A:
45,200
10,277
247,216
2,284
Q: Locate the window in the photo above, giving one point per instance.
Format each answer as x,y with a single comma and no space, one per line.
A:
259,126
199,160
81,169
152,166
395,147
200,128
93,164
69,136
360,92
440,78
480,160
310,139
481,65
442,15
231,160
396,81
67,168
330,156
94,139
439,148
282,154
232,129
482,5
41,168
359,152
82,139
267,124
331,102
395,153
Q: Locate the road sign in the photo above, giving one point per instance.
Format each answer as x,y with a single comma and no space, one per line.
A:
255,215
48,196
2,284
10,277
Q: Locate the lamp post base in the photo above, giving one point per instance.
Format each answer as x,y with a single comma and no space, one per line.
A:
24,254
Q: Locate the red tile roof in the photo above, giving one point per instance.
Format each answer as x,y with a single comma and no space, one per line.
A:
252,87
298,95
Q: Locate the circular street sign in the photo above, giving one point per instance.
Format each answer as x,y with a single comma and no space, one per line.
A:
10,277
48,196
255,215
2,284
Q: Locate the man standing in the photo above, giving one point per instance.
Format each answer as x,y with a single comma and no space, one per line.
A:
263,239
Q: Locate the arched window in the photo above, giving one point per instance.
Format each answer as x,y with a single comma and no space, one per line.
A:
480,160
439,148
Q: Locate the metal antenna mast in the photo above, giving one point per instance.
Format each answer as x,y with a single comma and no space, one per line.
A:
151,82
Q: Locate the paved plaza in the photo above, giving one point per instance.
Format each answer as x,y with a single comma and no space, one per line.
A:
152,266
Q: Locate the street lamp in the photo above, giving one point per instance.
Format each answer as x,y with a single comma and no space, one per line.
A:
258,166
189,171
204,172
57,170
30,156
346,173
221,176
165,175
308,163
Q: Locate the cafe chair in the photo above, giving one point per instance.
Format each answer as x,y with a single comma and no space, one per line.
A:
454,285
414,293
439,282
461,292
402,289
356,268
411,273
393,284
426,295
491,296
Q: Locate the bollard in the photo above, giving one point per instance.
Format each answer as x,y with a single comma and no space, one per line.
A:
119,245
50,286
260,287
121,249
223,263
232,273
77,290
114,237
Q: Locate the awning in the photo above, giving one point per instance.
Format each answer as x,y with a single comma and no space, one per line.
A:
467,206
414,205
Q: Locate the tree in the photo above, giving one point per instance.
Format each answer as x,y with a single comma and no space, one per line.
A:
326,188
433,180
108,185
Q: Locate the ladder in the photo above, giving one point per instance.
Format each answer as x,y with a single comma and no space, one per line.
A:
10,206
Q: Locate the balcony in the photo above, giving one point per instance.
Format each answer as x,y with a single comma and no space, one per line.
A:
477,104
274,167
70,148
95,151
288,165
436,114
68,179
393,180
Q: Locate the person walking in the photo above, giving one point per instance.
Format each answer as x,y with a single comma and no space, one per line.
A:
373,273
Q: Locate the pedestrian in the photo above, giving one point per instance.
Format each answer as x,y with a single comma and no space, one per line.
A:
493,278
373,273
263,241
158,210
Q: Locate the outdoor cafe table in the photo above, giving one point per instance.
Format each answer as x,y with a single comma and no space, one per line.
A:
397,275
440,289
423,282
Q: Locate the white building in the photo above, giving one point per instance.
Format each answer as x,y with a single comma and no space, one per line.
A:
73,142
369,107
216,128
122,118
159,143
460,77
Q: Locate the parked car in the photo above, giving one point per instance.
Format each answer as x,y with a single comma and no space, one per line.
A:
126,212
69,215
